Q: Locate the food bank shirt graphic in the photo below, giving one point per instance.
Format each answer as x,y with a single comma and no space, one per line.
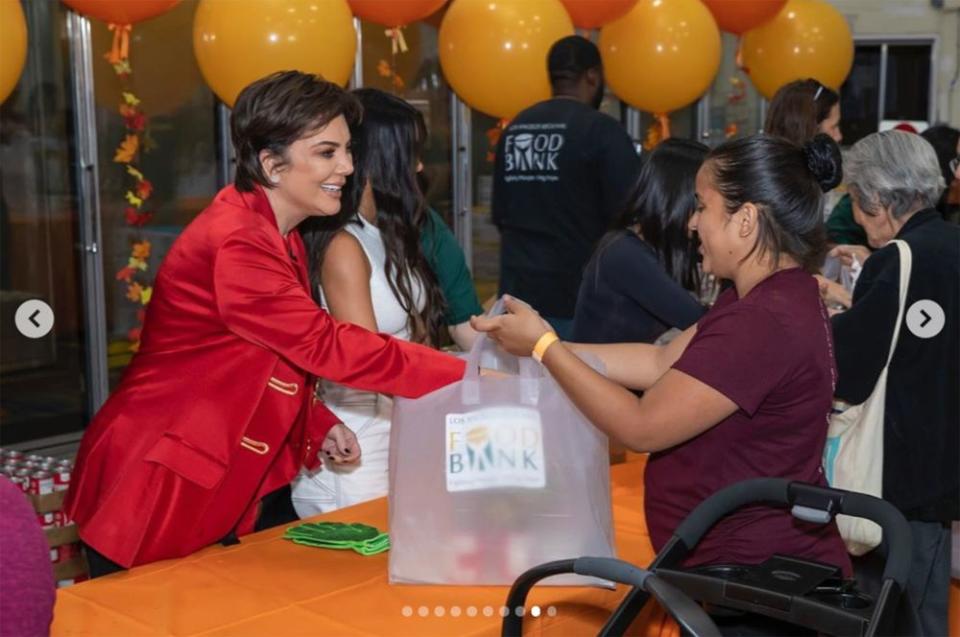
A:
531,151
494,447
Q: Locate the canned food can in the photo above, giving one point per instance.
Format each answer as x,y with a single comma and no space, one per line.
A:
41,483
61,478
66,462
22,477
68,551
58,518
13,454
51,460
46,520
34,457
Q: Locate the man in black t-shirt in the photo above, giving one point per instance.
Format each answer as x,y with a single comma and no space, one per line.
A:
563,172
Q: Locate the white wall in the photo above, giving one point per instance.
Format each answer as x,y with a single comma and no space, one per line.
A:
916,18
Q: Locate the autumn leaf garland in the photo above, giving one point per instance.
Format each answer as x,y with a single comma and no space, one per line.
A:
134,274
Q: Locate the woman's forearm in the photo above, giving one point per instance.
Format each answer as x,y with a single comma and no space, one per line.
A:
637,365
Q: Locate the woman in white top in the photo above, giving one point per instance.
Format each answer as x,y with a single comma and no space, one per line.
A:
374,274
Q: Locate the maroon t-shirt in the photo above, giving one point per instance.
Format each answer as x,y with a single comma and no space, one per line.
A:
771,353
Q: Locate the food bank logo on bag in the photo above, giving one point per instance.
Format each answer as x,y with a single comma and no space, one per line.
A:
532,156
496,447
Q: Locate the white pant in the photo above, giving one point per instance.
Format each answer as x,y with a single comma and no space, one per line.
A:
335,486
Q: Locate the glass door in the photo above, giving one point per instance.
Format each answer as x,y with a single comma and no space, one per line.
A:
43,378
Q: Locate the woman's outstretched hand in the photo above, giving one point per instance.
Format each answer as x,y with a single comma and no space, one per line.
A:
517,331
340,446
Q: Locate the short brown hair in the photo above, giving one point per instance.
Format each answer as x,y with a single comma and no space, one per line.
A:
797,110
276,111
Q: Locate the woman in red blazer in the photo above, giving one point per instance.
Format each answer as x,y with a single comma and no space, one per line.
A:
217,410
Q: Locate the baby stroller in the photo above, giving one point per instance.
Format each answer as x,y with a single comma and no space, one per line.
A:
800,592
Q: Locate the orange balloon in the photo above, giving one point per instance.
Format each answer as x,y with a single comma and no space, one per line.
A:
590,14
494,53
162,88
739,16
13,45
662,55
808,38
240,41
121,11
394,13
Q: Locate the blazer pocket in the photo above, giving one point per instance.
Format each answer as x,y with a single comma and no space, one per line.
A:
188,462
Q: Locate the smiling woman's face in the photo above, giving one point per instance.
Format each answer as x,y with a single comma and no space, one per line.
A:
312,179
719,243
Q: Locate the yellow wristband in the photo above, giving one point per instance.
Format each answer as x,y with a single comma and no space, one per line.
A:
543,344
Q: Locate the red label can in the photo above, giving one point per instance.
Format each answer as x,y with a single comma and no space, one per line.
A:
13,454
41,483
58,518
68,551
22,478
61,478
46,520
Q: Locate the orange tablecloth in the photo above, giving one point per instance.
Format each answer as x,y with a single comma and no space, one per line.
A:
267,586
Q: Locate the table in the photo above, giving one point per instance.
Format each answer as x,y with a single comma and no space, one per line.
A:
268,586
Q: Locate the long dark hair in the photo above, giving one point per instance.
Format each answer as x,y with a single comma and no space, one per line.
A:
786,183
797,110
661,204
387,146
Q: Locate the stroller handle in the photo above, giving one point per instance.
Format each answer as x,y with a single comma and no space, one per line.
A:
684,610
806,498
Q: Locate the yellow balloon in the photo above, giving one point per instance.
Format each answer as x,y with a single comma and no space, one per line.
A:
494,52
13,45
808,38
240,41
662,55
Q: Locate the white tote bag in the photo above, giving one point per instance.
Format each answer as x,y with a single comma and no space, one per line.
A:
491,476
853,455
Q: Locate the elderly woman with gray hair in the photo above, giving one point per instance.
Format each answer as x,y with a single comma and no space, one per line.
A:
895,181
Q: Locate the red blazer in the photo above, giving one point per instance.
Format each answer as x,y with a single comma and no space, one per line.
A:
217,407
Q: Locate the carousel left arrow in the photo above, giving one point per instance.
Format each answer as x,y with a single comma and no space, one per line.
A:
34,318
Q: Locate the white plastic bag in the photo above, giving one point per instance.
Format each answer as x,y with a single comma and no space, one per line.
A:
853,454
491,476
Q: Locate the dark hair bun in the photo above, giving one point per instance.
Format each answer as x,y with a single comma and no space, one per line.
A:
824,161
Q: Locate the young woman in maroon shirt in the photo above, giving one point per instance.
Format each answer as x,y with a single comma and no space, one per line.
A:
746,391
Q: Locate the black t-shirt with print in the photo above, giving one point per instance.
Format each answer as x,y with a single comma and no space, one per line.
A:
563,173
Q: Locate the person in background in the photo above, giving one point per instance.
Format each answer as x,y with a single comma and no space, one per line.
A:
641,280
798,111
216,412
946,143
562,174
27,590
895,180
746,391
802,109
374,273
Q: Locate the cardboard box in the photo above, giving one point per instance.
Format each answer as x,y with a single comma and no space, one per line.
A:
60,535
47,502
70,569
